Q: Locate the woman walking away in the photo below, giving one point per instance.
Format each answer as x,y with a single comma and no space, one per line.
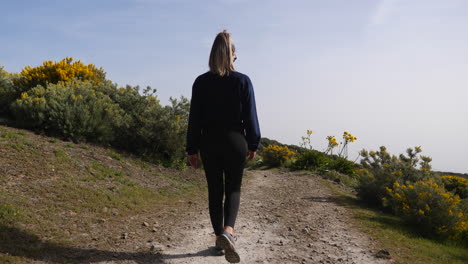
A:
223,128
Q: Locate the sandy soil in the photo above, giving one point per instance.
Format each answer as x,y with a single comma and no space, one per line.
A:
284,218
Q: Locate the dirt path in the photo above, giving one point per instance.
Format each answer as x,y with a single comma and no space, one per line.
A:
284,218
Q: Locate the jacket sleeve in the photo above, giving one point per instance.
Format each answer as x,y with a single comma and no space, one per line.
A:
194,124
249,116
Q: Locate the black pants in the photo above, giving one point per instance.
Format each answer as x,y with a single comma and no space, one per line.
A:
223,152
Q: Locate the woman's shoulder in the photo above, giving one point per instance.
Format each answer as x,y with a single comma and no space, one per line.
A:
232,75
239,75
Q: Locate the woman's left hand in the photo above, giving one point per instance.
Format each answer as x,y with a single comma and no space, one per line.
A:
194,160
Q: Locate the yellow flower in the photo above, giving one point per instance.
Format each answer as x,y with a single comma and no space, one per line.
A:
420,212
24,95
309,132
446,195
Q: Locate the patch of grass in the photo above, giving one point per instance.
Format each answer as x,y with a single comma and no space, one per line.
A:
115,155
339,177
100,172
17,146
61,155
402,241
21,133
53,140
28,143
8,135
68,145
8,214
85,147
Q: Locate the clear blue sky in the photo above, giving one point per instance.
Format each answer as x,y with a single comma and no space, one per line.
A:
392,72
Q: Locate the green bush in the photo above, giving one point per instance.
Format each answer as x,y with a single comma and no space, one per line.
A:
74,101
311,160
316,160
381,170
341,165
7,91
429,206
73,110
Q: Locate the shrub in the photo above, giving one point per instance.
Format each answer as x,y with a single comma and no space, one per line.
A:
383,169
51,72
430,207
74,110
341,165
311,160
274,155
7,91
75,101
457,185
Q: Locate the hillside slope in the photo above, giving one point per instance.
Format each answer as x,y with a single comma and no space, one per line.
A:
59,199
74,203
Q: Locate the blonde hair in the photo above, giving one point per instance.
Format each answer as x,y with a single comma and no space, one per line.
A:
222,54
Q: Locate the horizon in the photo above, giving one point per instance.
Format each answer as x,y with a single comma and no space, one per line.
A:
393,73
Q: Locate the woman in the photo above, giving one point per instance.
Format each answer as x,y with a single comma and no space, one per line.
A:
223,128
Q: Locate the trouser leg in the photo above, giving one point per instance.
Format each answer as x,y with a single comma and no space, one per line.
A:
233,182
235,154
214,178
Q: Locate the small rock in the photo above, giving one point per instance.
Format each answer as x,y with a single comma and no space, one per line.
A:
290,229
281,243
124,236
383,253
305,230
154,230
310,245
155,247
145,224
102,220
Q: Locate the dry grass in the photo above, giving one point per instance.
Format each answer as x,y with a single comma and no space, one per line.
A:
56,195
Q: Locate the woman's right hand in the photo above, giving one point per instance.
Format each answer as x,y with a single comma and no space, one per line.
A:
194,160
251,155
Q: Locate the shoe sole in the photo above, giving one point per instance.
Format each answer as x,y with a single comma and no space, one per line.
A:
230,252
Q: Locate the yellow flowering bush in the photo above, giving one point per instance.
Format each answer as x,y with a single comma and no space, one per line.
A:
275,155
51,72
74,101
428,205
383,169
457,185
